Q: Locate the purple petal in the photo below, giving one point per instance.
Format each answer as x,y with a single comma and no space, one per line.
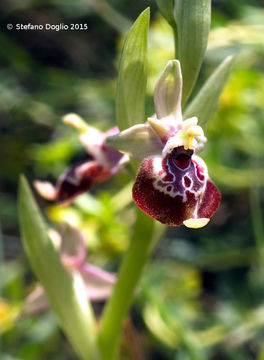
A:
95,146
99,283
72,249
36,302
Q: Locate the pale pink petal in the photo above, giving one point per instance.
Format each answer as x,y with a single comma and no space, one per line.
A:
99,283
36,302
46,190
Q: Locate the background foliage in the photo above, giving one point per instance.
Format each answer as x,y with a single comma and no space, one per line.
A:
202,295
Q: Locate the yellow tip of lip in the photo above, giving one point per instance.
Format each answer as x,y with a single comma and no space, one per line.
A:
196,223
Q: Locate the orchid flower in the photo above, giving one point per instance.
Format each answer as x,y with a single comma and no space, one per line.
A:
71,246
172,185
100,164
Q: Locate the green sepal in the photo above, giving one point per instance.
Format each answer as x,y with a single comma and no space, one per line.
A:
66,293
139,141
205,103
168,91
193,19
132,76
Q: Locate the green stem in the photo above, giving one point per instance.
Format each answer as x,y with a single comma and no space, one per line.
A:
129,274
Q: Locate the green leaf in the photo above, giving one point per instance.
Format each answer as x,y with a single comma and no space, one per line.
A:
205,103
166,8
193,18
66,293
132,76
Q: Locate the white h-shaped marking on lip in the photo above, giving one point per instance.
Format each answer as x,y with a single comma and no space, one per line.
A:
159,175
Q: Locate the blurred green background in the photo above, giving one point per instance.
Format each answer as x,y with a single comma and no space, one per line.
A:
202,294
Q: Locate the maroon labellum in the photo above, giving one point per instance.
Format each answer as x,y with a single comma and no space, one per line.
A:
79,179
176,189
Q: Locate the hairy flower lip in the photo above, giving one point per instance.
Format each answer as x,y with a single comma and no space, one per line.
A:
175,210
